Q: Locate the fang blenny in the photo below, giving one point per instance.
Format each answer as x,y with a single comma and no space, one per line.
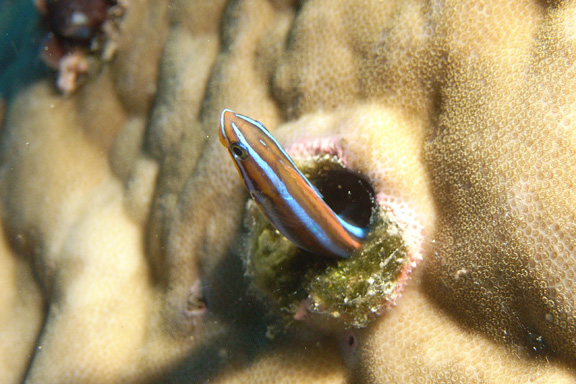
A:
283,194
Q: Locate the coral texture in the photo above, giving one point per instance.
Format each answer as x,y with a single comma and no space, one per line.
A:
121,211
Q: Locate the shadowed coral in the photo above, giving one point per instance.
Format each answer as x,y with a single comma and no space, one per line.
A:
121,211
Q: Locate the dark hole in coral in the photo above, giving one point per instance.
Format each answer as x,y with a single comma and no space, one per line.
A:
351,341
348,193
350,345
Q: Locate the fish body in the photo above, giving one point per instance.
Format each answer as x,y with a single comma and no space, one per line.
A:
283,194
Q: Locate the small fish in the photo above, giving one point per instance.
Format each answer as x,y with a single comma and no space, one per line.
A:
283,194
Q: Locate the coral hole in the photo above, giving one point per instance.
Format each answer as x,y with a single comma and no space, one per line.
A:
348,193
347,293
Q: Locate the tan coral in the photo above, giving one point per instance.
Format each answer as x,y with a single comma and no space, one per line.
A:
22,314
120,205
439,352
513,205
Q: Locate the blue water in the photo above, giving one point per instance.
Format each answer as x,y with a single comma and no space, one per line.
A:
20,37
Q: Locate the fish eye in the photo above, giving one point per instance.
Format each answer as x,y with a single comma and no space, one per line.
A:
239,150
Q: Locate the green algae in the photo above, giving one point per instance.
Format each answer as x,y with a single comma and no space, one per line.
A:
357,289
351,291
